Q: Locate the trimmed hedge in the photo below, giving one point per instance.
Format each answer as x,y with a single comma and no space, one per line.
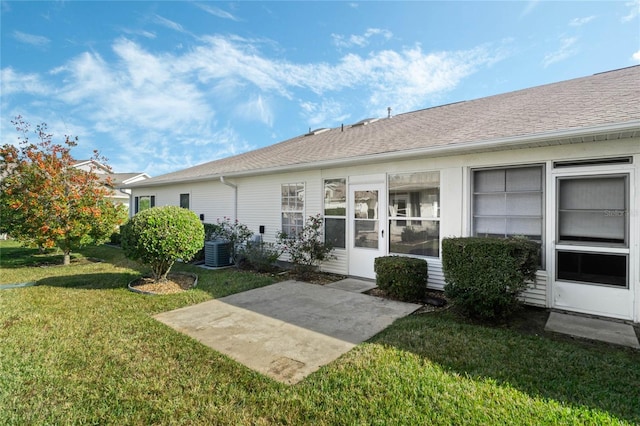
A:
404,278
486,276
160,235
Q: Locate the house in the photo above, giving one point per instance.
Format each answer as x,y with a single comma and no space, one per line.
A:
120,195
559,164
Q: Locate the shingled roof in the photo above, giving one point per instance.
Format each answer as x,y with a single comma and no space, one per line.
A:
601,106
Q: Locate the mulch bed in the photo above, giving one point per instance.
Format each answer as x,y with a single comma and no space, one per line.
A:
175,283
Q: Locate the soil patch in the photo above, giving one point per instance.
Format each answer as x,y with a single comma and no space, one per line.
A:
176,282
426,307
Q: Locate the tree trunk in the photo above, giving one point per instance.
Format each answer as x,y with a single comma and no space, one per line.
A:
66,258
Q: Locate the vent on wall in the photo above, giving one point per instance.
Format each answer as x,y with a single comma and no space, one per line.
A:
593,162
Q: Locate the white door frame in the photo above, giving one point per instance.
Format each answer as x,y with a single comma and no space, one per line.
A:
603,300
361,258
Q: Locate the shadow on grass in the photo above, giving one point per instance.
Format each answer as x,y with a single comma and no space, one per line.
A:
20,257
92,281
578,373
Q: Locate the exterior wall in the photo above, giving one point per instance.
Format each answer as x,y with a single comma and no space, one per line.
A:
211,198
258,200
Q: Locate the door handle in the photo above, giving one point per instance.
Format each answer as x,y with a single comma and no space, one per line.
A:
383,233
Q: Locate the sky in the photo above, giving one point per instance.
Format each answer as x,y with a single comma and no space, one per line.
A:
158,86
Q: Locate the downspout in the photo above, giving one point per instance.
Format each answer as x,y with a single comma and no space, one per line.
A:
235,196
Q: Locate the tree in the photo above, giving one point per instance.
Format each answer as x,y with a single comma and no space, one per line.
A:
161,235
46,201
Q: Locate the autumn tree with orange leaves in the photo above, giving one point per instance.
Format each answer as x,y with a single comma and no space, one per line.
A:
45,202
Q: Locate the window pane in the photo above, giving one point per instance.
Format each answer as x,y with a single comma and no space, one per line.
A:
365,233
292,223
419,239
335,197
595,268
365,204
588,209
414,195
508,202
184,201
489,181
523,179
334,232
144,203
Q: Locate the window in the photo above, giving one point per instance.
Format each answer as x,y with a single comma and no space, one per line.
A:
292,196
593,215
184,201
144,202
593,210
414,213
335,212
508,202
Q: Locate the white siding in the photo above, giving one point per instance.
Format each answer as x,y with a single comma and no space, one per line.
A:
211,198
259,200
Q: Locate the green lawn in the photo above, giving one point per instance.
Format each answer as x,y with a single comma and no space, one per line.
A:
79,348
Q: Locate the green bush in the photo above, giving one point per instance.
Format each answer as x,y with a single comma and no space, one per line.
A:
404,278
259,256
486,276
307,249
161,235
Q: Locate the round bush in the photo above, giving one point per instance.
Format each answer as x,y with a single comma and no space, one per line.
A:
161,235
404,278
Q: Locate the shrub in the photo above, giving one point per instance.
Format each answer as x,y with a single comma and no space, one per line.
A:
486,276
238,234
161,235
259,256
404,278
307,249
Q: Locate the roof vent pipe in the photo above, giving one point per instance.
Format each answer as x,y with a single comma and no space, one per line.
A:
342,128
388,112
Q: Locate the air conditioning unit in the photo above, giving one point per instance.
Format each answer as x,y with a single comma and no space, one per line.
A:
217,253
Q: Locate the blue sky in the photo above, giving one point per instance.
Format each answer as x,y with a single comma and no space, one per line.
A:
160,86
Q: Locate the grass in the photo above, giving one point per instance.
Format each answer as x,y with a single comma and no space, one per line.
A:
81,349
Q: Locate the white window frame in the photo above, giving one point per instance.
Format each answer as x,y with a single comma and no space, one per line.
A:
326,216
294,211
625,249
406,217
136,202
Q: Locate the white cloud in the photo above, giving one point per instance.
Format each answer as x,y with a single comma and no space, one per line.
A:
634,11
152,104
143,33
169,24
34,40
636,56
257,109
578,22
216,11
326,113
565,51
529,8
13,82
360,40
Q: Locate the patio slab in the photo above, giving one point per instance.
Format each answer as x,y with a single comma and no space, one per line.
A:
353,284
593,328
289,329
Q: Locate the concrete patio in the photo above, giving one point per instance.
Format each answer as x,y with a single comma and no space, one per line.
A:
289,329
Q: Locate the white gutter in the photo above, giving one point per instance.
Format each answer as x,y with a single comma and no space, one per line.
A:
235,196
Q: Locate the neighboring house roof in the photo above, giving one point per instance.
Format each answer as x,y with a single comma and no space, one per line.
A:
601,106
120,179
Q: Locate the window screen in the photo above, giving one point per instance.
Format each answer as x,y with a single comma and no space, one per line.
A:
508,202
